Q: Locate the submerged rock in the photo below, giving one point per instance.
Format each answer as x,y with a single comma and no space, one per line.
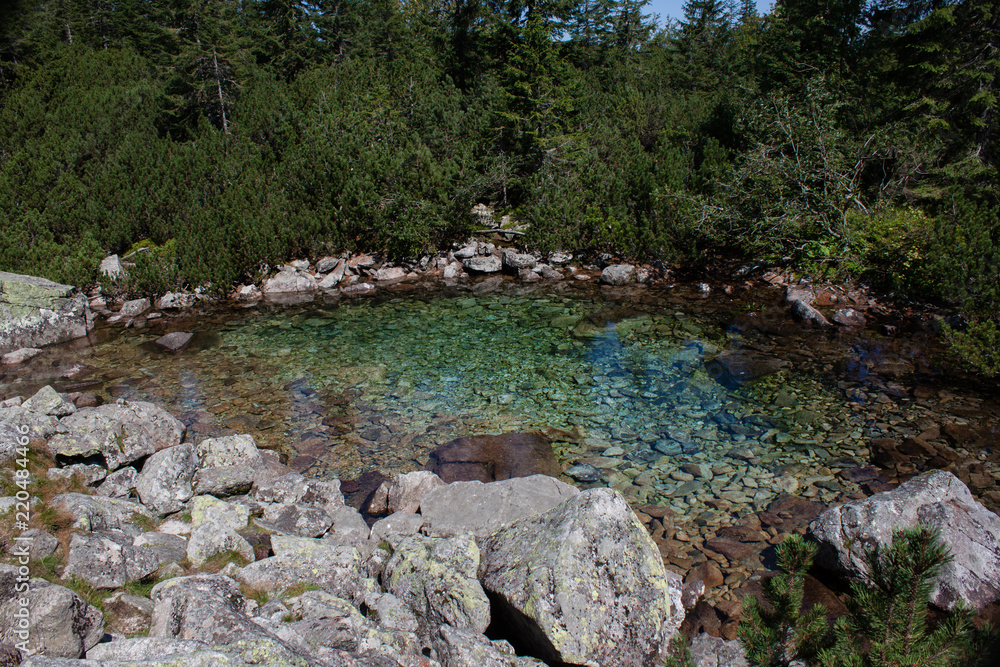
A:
583,584
736,367
174,342
487,458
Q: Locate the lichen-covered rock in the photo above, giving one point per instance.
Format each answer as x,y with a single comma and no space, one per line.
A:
35,312
459,647
232,450
224,481
437,578
87,474
206,608
515,261
18,427
709,651
42,544
487,264
121,432
212,539
96,513
936,499
301,560
618,274
60,623
404,492
134,308
108,560
290,282
300,520
119,484
144,648
165,484
348,529
582,583
210,510
19,356
293,488
47,401
482,509
395,528
168,548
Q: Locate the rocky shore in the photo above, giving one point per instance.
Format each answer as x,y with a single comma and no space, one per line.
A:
220,554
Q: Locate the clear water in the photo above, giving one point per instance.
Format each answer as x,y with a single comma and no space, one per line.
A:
616,377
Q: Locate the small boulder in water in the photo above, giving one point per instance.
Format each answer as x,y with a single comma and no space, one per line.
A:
175,342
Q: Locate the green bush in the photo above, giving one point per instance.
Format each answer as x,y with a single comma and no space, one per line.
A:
978,345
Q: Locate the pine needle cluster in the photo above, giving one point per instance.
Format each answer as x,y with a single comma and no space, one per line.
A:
887,623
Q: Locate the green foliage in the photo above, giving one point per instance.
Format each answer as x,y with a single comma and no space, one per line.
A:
887,624
977,345
678,653
777,632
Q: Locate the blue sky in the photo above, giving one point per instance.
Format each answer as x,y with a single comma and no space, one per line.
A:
672,8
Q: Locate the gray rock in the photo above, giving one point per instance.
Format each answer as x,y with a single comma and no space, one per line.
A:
404,492
618,274
210,510
111,267
395,528
162,429
168,548
808,314
211,539
437,579
300,520
165,484
936,499
60,623
19,426
206,608
459,647
119,484
42,544
92,513
584,472
848,317
290,281
20,356
389,273
175,301
348,529
300,560
35,312
391,613
482,509
88,474
572,579
144,648
174,342
513,262
293,488
358,289
104,562
134,308
487,264
232,450
452,271
709,651
223,481
467,252
328,264
47,401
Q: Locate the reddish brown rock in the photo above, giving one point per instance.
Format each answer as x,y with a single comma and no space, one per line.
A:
488,458
788,512
703,618
708,572
960,434
741,534
731,549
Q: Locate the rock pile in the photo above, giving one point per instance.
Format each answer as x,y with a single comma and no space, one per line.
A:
557,573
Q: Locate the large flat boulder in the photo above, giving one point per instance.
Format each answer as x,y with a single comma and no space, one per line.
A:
482,509
60,623
582,584
36,312
935,499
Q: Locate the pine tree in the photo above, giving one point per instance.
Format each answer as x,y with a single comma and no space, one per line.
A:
777,633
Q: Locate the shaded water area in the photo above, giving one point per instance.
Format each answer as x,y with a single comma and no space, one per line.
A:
642,389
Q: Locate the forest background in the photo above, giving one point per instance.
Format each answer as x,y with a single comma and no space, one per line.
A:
844,138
